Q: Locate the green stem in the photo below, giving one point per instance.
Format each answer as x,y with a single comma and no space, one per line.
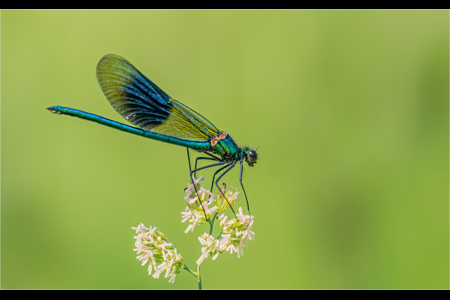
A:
199,277
190,271
211,223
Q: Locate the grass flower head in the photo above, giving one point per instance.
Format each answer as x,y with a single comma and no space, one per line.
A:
152,247
193,211
234,236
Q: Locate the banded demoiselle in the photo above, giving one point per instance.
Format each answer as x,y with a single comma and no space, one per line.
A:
159,117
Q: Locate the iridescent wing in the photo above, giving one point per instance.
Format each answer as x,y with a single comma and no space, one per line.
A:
146,106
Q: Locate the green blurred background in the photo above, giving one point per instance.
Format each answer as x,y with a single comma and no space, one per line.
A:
349,109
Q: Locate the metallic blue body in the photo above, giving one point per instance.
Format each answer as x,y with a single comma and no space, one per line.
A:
199,146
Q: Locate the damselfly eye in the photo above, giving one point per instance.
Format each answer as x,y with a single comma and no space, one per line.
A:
251,157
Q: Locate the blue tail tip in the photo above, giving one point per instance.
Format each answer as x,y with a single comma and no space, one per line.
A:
52,109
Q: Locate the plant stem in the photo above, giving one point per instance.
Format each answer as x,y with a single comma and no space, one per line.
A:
211,223
190,271
199,277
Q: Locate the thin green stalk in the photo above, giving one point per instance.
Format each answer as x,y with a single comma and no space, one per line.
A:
211,223
199,277
190,271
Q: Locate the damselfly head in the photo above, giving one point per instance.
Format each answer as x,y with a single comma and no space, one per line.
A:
251,156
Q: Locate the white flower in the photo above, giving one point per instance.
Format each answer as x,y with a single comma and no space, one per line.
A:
194,213
152,247
230,197
235,234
